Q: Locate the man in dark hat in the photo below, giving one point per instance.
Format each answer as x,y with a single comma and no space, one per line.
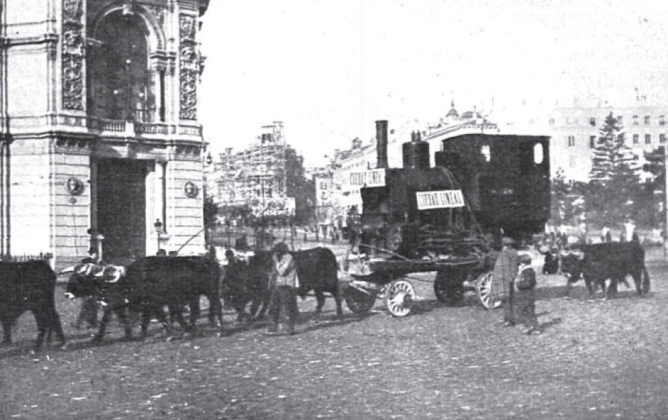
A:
285,283
505,270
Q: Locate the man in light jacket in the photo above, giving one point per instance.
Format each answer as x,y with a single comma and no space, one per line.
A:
505,270
284,293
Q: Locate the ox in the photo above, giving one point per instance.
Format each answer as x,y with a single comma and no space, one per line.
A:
610,260
155,282
246,281
317,270
29,286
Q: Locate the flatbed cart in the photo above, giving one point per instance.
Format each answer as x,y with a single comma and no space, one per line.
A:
369,279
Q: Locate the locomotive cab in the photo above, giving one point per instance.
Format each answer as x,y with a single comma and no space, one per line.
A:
505,179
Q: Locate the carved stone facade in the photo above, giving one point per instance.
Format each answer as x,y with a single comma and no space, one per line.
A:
189,67
73,55
101,95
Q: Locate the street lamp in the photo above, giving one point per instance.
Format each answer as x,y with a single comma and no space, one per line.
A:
158,230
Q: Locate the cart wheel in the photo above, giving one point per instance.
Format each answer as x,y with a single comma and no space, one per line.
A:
358,301
485,293
400,296
448,287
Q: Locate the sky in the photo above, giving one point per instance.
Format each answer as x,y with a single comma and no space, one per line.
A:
328,69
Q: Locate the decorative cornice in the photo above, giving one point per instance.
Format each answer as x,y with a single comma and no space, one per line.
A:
29,40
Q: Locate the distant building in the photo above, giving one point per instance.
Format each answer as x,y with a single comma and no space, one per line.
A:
575,131
257,176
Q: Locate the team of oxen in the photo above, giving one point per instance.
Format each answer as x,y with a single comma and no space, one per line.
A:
150,284
603,262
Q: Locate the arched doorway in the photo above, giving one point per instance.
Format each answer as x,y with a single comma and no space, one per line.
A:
119,88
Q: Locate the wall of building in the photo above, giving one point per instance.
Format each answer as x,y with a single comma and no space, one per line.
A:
573,129
56,137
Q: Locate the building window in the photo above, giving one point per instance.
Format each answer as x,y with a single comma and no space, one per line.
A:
646,119
662,120
592,141
636,138
635,120
662,138
571,141
592,121
648,139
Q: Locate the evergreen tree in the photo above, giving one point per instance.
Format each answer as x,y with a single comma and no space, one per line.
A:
614,178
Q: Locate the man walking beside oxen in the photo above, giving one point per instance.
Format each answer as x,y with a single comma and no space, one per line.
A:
284,289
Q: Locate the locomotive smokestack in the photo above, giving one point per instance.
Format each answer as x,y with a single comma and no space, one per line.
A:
381,144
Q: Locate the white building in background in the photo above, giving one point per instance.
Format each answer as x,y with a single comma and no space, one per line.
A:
255,175
575,131
575,128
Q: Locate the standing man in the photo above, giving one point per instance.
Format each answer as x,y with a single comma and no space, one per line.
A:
505,270
284,293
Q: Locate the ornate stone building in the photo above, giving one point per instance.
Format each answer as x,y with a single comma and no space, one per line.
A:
100,140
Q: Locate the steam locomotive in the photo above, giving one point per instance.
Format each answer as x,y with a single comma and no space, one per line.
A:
482,187
448,218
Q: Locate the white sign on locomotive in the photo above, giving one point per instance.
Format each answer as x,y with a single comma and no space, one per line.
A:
445,199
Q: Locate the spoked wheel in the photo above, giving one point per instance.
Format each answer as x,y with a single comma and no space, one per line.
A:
358,301
400,296
485,292
448,286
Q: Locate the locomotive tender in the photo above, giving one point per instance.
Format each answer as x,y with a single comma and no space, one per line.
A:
448,218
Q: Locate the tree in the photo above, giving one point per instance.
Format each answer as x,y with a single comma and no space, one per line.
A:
651,210
299,187
614,179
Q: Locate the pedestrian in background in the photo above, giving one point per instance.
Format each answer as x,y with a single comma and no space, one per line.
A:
525,297
284,289
503,275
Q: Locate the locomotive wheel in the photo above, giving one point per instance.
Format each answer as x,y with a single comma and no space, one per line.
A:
448,287
485,292
399,297
358,301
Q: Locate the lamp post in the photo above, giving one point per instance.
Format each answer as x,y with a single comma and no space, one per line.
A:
158,231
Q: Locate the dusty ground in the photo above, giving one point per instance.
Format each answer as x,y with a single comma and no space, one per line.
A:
596,360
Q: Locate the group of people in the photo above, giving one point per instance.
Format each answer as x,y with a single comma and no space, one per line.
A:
516,278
